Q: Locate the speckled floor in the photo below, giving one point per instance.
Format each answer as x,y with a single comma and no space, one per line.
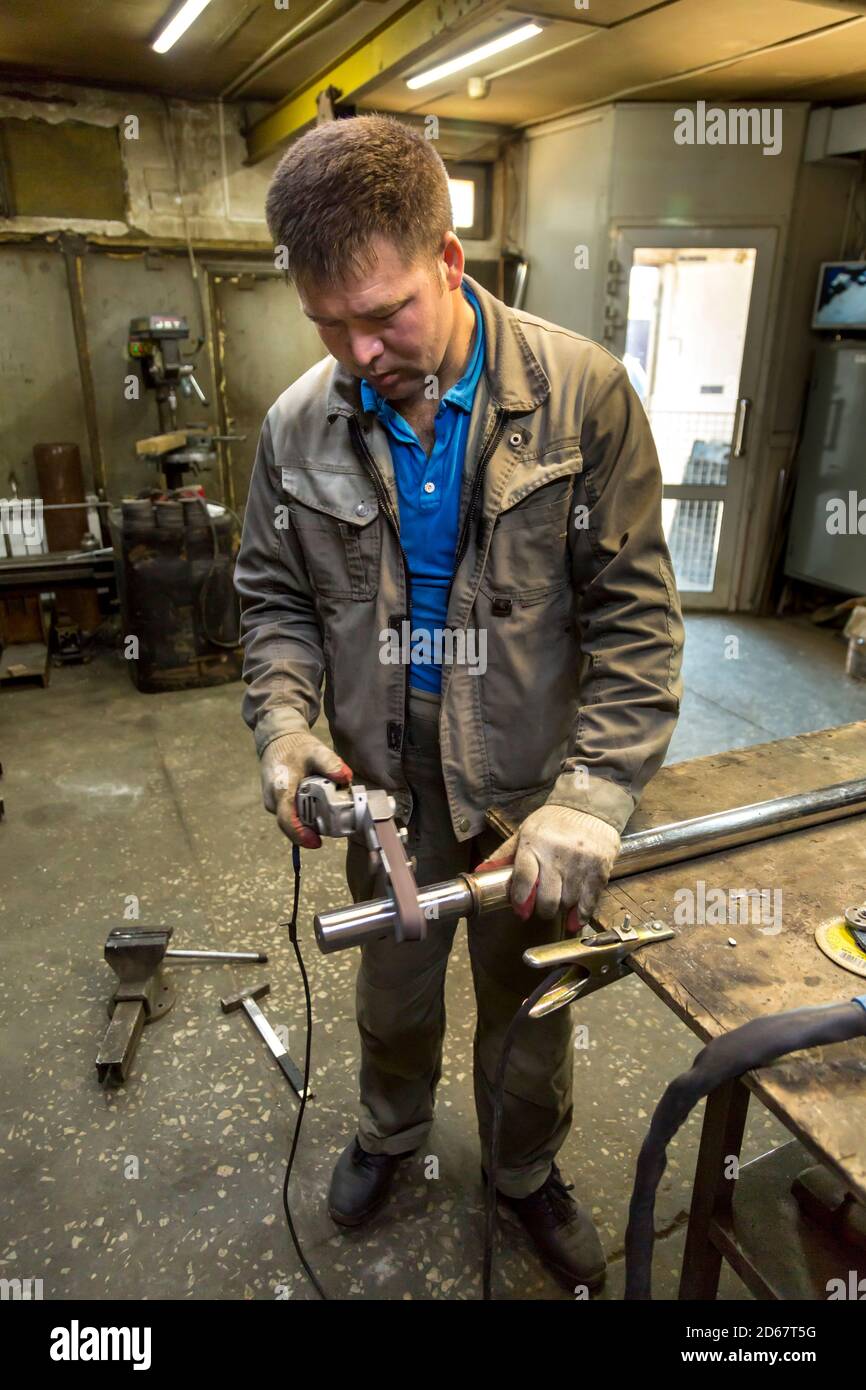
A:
170,1187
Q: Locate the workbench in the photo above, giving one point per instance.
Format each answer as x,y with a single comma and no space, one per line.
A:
714,987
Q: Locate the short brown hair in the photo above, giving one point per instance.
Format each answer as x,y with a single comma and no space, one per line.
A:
348,181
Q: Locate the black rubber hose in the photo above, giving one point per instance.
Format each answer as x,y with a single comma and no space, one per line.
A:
754,1045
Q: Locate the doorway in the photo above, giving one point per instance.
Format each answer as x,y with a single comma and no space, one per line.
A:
691,339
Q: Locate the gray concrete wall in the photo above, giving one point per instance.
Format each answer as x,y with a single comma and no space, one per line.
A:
566,205
257,345
182,161
40,393
184,182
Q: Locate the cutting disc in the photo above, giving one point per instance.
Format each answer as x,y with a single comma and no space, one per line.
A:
837,941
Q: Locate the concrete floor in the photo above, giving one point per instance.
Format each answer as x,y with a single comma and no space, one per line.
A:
170,1187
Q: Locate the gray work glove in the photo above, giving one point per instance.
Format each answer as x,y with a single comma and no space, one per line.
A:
562,859
284,764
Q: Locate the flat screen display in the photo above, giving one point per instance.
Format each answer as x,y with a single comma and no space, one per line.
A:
840,300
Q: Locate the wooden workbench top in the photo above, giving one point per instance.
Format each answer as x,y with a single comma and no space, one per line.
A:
820,1095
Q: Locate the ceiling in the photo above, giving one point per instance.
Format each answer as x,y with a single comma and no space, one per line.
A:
107,42
648,50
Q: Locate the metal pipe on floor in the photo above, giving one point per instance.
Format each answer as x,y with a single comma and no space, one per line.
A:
641,851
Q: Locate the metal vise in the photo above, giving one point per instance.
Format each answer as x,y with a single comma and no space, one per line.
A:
143,994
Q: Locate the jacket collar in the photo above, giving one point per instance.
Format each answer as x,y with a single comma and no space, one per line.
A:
515,378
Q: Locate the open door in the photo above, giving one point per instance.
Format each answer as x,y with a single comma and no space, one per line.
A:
692,337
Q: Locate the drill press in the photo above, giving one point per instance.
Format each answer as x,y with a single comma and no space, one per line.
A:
174,549
154,345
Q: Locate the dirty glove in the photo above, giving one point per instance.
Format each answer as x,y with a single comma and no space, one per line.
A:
562,858
284,764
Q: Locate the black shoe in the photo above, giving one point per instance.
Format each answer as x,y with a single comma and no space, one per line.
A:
562,1233
360,1183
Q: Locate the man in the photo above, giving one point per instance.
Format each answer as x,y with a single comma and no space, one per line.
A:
487,483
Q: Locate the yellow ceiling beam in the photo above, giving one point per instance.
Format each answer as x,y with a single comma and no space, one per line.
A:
403,40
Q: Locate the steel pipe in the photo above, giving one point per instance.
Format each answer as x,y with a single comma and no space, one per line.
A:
641,851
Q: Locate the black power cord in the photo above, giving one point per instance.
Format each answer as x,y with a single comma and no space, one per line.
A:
293,937
498,1097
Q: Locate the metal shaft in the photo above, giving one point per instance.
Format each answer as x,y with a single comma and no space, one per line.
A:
258,956
641,851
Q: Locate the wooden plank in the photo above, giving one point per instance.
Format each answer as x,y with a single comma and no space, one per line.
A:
158,444
715,987
24,664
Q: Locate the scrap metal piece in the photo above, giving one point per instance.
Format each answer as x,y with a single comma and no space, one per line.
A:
594,961
246,1000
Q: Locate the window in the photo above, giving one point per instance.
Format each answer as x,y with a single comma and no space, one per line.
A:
469,185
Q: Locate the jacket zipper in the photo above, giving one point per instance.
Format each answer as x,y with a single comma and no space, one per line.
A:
477,483
385,502
487,451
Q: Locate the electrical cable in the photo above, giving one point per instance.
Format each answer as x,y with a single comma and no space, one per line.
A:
498,1098
755,1044
293,937
202,598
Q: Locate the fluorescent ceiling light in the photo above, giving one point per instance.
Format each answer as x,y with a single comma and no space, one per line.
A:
186,15
477,55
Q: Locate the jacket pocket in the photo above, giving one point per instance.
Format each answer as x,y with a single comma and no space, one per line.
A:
528,687
528,556
336,518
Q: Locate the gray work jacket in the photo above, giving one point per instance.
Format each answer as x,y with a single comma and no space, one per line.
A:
562,578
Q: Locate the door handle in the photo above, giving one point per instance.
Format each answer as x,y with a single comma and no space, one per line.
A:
741,421
837,405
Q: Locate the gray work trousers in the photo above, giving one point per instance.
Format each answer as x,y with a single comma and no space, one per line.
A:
401,998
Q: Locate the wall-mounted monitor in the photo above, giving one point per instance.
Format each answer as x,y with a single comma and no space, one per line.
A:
840,299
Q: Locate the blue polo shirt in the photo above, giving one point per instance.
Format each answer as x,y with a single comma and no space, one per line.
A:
428,491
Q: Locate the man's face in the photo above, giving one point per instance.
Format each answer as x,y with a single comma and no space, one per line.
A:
391,324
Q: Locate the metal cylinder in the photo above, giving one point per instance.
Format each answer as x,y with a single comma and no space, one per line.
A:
61,480
690,839
258,957
641,851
